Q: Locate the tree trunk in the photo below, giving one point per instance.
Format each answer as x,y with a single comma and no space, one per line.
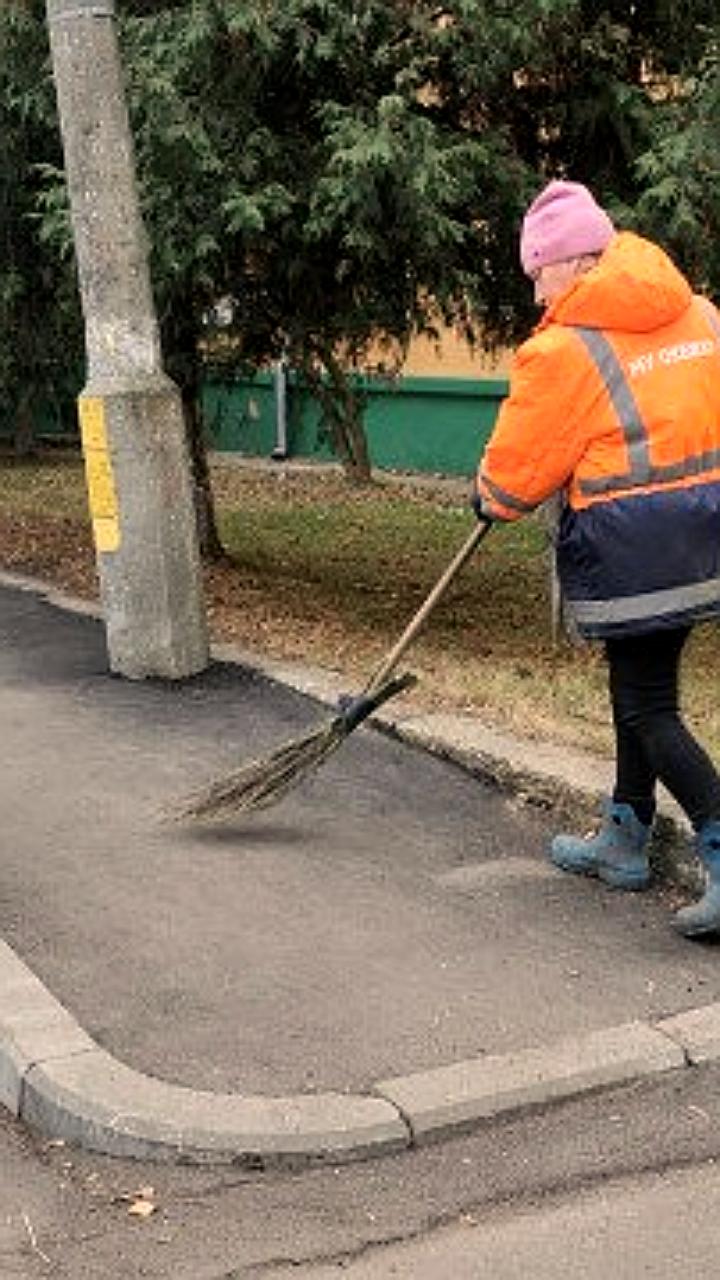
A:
24,435
211,547
180,345
342,407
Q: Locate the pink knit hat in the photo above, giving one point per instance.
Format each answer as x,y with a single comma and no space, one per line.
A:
563,222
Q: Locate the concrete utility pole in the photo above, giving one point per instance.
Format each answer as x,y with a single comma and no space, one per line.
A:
131,419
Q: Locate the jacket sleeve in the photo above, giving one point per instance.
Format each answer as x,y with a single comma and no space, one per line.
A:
539,436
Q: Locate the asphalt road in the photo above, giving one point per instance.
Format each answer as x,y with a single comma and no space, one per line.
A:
66,1213
658,1227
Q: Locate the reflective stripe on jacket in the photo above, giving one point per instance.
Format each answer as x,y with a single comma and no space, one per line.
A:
615,400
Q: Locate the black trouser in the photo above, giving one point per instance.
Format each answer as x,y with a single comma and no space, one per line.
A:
652,741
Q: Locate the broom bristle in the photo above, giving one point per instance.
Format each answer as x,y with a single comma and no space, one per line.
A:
262,782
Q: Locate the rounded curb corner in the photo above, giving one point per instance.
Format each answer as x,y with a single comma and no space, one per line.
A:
97,1103
60,1083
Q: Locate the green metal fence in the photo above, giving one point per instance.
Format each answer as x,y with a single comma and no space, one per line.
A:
434,425
52,420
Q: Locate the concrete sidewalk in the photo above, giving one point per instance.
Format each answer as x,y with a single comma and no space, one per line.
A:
383,958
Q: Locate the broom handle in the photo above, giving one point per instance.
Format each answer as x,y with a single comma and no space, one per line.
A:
438,591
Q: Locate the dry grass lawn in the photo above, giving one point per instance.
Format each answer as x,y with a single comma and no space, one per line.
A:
329,574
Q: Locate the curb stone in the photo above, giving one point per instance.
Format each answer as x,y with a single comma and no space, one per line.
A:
61,1083
436,1103
93,1100
697,1031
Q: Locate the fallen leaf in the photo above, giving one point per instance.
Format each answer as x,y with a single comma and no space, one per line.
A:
142,1208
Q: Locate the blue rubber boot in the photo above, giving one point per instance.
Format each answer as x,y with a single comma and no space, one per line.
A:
617,855
703,917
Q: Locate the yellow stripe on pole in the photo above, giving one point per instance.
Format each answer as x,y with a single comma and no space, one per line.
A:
98,470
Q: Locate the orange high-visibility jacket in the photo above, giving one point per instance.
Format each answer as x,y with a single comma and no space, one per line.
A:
615,400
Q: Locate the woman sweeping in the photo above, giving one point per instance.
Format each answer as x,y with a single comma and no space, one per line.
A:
615,401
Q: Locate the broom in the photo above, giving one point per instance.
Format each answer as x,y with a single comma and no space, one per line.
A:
262,782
